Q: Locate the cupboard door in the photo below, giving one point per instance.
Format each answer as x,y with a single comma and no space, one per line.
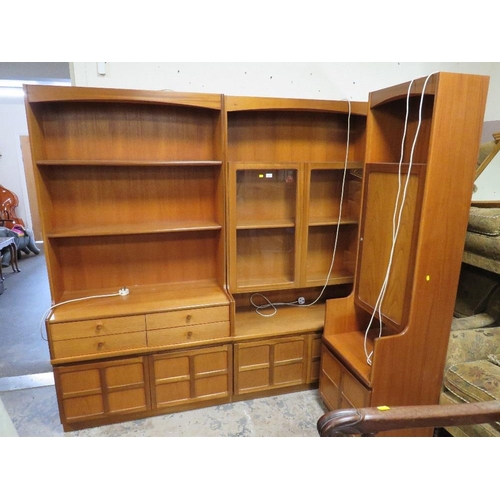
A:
376,237
270,364
192,376
338,387
329,379
332,227
265,232
97,390
315,357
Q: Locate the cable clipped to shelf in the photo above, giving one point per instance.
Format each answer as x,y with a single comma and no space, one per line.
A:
121,293
273,305
398,211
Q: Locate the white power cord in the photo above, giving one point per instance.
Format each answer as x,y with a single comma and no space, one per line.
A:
121,293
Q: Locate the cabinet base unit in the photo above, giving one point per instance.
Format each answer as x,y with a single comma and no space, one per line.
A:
271,365
110,391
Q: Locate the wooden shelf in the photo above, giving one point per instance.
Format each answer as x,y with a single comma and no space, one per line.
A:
140,300
339,277
350,347
129,163
288,320
135,229
265,224
327,221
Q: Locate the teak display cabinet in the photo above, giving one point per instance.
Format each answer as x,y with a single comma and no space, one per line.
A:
392,353
167,217
288,160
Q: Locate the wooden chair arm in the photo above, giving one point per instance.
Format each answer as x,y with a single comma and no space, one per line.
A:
491,155
371,421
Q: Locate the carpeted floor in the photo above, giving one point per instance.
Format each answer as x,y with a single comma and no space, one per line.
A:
28,394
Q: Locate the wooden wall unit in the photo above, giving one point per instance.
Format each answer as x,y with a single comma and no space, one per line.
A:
201,204
409,351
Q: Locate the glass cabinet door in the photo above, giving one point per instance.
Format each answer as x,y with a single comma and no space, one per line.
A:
328,212
265,226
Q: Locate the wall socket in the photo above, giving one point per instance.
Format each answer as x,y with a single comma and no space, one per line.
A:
301,301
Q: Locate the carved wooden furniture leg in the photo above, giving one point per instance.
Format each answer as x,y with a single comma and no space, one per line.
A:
8,243
13,258
371,421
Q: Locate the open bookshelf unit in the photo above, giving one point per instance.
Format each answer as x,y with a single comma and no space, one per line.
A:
393,354
132,188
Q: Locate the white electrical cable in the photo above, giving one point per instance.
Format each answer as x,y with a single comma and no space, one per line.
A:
396,222
122,292
295,303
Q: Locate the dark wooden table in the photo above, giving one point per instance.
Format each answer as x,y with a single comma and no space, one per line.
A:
8,243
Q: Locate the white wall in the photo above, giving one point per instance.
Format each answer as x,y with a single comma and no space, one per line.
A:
311,80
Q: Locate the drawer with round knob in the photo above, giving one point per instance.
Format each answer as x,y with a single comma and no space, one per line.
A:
99,345
96,327
187,317
187,334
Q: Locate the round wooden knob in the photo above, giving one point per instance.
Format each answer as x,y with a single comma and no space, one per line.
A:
188,318
189,335
99,326
100,345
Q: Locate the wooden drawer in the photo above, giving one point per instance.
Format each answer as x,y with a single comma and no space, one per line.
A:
187,317
96,327
98,344
338,387
183,334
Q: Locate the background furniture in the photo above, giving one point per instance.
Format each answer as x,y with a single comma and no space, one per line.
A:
8,203
8,245
401,363
472,371
482,242
8,219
